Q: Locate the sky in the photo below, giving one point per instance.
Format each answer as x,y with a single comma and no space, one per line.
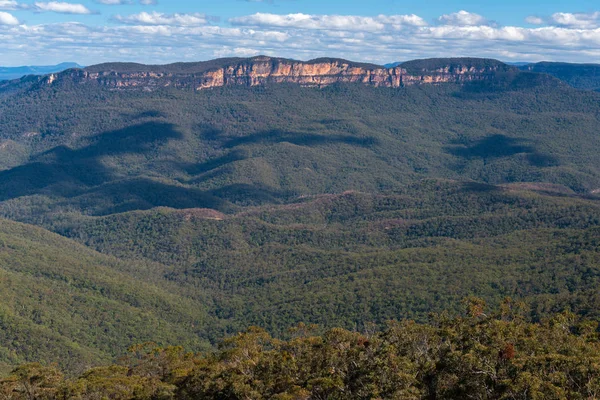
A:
378,31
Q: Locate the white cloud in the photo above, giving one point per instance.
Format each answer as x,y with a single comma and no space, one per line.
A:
148,2
404,20
62,7
578,20
8,5
156,18
330,22
113,2
533,20
161,38
463,18
568,20
8,19
239,51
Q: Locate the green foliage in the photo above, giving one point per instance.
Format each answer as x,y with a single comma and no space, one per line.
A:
193,276
62,302
354,258
199,214
498,355
115,382
581,76
109,151
32,381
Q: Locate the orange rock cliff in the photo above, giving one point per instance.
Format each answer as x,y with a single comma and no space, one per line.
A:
266,70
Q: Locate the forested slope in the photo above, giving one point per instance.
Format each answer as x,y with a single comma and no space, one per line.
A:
61,302
581,76
187,216
193,276
343,260
108,151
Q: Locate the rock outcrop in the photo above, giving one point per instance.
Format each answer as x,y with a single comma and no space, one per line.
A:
266,70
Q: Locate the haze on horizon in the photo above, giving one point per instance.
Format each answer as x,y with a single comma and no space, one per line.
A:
147,31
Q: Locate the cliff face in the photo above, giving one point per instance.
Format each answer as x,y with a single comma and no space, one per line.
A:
265,70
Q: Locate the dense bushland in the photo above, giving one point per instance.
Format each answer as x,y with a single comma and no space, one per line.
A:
185,217
479,355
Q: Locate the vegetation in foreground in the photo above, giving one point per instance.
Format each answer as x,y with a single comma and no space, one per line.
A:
477,356
192,277
206,213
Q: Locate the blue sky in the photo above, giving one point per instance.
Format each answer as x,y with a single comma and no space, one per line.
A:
380,31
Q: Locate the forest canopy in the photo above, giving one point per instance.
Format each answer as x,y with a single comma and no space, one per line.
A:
481,354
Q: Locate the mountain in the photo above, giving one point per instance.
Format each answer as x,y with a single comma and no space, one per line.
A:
519,63
7,73
516,64
263,70
104,149
581,76
186,202
392,65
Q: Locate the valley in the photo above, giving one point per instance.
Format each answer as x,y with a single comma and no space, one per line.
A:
137,208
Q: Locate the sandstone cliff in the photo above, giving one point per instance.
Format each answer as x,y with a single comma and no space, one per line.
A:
266,70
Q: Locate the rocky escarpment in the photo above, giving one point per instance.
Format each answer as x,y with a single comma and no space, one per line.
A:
266,70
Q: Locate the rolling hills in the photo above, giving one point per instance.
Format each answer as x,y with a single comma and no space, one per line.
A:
350,258
107,150
193,276
148,208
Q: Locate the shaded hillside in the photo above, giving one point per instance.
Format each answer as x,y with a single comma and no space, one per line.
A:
113,151
581,76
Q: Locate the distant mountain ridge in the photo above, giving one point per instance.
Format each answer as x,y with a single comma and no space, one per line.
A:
318,72
262,70
7,73
580,76
220,195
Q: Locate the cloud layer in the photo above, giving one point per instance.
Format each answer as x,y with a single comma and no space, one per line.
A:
330,22
62,7
8,5
156,18
463,18
154,37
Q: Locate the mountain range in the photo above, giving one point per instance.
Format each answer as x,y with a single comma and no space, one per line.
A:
183,203
581,76
8,73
